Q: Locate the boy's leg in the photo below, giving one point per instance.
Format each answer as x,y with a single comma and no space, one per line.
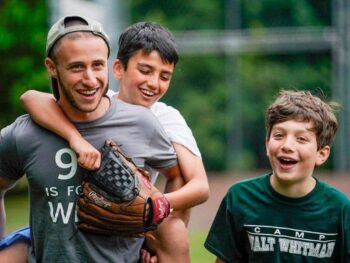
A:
14,246
15,253
170,242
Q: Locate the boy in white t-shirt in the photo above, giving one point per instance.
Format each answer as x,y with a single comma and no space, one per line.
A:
144,66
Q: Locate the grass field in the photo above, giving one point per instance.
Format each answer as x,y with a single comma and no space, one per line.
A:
18,214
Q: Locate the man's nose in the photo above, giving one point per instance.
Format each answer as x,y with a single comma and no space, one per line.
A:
89,78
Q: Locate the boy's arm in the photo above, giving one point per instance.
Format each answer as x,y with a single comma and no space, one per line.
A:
36,102
187,184
218,260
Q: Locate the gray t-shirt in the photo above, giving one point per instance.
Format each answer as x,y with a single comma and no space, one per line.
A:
54,180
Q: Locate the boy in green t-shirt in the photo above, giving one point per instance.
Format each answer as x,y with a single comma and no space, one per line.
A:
287,215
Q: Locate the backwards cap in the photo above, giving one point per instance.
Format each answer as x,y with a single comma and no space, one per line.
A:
59,29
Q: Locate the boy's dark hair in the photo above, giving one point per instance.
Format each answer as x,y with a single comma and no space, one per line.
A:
148,37
303,106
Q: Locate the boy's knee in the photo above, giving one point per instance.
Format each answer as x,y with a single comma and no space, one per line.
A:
170,242
174,234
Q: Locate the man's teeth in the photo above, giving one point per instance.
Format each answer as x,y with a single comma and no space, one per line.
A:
88,92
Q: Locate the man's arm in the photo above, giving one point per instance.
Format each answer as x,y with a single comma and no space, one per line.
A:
187,184
54,119
192,189
5,185
218,260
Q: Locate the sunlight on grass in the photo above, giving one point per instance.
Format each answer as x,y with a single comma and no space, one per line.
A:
198,253
17,212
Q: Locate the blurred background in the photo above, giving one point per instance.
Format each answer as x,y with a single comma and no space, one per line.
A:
235,55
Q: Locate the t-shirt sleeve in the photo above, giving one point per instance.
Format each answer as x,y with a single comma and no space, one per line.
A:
346,222
161,152
10,166
175,126
110,93
221,239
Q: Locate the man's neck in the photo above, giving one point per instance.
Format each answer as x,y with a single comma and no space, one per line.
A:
76,115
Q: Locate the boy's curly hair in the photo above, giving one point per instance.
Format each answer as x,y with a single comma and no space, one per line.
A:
304,106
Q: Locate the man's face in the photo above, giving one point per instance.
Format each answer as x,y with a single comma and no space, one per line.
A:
81,71
145,80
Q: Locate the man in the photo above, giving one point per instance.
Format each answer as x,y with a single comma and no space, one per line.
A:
144,66
77,53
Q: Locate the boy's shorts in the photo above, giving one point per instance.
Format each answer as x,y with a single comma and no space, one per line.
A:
22,234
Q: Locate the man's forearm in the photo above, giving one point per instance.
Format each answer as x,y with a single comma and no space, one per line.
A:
2,215
5,185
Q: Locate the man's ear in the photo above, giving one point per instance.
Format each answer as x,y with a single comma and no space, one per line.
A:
322,155
51,67
118,69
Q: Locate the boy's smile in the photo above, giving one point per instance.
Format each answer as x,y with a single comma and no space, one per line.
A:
293,154
145,80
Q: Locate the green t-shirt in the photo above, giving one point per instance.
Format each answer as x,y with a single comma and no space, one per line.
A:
254,223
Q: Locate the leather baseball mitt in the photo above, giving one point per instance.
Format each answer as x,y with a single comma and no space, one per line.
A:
119,199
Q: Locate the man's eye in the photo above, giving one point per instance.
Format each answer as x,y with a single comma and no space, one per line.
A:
99,65
76,67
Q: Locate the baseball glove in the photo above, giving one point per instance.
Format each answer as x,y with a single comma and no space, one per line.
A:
118,198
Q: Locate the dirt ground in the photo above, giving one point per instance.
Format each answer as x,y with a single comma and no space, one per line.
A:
203,215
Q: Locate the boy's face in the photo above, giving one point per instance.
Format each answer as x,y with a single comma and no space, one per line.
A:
145,80
81,71
292,151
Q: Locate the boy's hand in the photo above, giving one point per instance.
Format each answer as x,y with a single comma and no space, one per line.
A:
145,257
88,157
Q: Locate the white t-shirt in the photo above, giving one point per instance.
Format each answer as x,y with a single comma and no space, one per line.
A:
175,127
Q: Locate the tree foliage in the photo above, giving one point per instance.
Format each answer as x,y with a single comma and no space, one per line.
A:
23,30
200,87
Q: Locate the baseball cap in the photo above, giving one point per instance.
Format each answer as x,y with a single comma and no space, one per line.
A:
59,29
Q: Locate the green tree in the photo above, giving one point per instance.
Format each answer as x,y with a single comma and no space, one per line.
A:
23,26
199,89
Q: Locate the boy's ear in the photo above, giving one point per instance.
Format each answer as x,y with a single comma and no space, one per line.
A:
51,67
322,155
118,69
267,146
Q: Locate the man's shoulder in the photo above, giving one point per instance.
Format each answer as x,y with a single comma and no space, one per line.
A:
128,110
19,125
23,131
132,108
137,118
